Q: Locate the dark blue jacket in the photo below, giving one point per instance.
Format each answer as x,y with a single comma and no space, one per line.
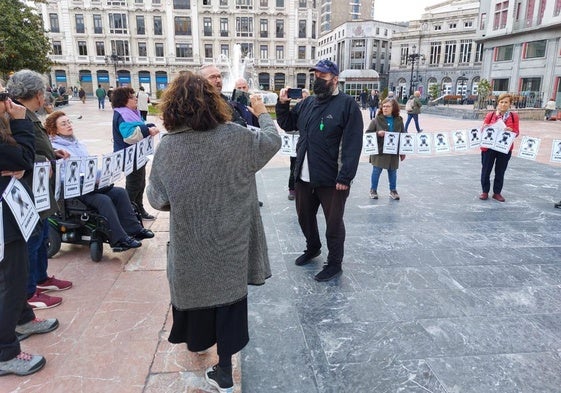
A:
118,142
16,158
333,148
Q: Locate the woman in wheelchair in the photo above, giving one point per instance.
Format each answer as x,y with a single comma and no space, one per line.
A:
114,203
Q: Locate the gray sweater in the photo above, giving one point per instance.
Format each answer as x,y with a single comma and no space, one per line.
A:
206,179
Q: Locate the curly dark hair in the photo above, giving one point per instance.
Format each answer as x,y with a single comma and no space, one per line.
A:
190,100
120,96
50,122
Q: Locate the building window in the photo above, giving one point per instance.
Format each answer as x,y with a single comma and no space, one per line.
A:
208,51
120,48
264,81
142,51
314,24
100,48
182,25
479,53
57,48
82,48
301,81
244,26
313,53
403,54
450,52
437,27
207,27
159,49
500,84
301,52
118,23
280,52
465,51
302,3
435,52
224,3
80,28
280,3
531,84
140,25
223,27
158,25
183,50
280,28
181,4
535,49
500,15
225,50
264,3
530,12
244,4
264,52
53,20
302,28
504,53
246,49
557,8
98,27
468,24
280,80
452,26
263,28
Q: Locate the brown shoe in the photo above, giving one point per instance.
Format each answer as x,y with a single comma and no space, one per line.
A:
484,196
498,197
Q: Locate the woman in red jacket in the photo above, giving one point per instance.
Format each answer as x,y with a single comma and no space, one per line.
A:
490,158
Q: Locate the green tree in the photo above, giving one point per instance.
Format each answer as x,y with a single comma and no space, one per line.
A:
23,42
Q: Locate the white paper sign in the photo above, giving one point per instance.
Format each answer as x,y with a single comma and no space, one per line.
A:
474,138
556,150
459,139
58,180
407,144
22,207
504,141
72,177
149,145
369,143
105,177
488,136
286,145
295,138
117,164
140,153
130,153
391,142
41,173
90,175
529,147
441,143
423,143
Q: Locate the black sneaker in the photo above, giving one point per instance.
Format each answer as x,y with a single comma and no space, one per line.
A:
307,257
220,379
329,272
557,205
126,243
143,234
147,216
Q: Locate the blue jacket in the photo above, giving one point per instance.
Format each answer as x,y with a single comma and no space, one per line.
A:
118,138
330,133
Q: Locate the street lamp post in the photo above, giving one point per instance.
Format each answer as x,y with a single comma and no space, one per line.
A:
462,79
413,58
114,59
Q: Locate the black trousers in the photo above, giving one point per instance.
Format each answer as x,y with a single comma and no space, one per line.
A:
14,309
489,159
135,185
308,200
291,177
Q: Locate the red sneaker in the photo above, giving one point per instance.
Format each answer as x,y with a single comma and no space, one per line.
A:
498,197
54,284
484,196
41,301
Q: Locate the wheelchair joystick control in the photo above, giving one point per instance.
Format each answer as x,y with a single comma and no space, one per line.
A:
85,217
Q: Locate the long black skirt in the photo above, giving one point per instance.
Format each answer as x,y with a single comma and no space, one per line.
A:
201,329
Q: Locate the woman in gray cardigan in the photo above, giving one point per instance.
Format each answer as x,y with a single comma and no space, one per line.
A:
204,174
387,119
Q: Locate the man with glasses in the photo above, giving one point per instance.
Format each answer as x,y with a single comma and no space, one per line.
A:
327,156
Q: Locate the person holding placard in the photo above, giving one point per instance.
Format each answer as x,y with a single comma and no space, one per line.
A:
17,156
111,202
387,119
492,158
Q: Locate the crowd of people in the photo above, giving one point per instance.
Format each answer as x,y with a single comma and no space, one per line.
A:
217,244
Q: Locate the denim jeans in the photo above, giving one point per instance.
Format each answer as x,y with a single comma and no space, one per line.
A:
392,177
373,110
101,103
415,117
38,260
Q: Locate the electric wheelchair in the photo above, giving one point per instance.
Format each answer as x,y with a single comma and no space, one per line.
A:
77,223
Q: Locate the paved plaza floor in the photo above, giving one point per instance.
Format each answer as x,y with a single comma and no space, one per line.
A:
441,292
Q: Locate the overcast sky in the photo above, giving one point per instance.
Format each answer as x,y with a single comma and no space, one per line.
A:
401,10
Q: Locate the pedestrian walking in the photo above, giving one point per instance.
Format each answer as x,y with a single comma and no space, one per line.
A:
413,108
82,95
100,93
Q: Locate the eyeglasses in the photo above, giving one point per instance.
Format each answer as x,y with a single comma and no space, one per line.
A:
387,106
65,123
4,96
214,77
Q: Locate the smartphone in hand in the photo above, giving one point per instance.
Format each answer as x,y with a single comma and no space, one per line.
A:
241,97
294,94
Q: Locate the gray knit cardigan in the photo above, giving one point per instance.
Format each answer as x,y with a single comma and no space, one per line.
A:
206,179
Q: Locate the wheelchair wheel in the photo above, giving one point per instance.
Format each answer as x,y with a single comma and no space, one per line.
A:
53,242
96,250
